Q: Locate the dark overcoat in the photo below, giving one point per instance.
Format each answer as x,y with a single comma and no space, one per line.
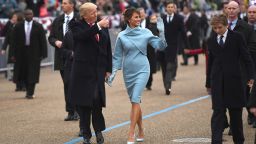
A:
151,52
57,34
172,30
250,38
8,43
193,25
34,54
92,60
67,52
224,75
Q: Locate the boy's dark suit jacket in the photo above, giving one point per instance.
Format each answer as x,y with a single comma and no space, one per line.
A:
92,60
224,74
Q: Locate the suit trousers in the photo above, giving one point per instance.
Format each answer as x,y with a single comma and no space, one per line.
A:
236,125
94,114
70,108
186,57
150,79
30,87
168,71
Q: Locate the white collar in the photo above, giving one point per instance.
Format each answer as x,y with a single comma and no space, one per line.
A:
71,15
224,35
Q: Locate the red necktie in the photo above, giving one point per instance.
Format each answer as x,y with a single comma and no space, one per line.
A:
97,37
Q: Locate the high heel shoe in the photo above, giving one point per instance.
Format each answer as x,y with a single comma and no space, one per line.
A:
138,139
133,142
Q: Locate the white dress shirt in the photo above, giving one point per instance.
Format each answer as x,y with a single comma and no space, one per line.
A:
28,27
224,37
67,19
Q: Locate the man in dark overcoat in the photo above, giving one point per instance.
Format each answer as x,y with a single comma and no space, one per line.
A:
30,47
224,78
250,39
59,27
173,26
92,64
192,28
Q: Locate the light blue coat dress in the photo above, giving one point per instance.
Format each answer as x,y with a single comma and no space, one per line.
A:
130,55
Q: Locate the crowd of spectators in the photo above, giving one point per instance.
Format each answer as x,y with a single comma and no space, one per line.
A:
43,8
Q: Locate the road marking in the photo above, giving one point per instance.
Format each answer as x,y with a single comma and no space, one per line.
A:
76,140
193,140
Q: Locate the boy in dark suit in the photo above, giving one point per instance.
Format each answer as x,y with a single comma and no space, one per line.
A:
224,78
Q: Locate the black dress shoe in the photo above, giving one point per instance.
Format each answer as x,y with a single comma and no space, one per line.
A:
167,91
99,138
148,88
76,116
69,117
29,96
18,89
184,64
86,141
80,134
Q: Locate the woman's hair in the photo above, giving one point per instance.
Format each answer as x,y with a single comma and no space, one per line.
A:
85,8
219,19
128,14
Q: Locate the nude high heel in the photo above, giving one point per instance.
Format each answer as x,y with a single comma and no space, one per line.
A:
138,139
129,142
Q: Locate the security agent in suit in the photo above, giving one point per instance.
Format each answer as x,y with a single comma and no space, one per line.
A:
227,49
58,29
151,53
250,39
252,22
173,26
92,64
30,47
192,28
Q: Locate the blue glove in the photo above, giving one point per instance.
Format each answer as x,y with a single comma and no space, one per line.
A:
111,78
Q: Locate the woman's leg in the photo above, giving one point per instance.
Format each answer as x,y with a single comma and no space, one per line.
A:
139,123
135,112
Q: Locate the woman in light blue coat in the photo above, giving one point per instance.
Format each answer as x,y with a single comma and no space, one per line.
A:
131,56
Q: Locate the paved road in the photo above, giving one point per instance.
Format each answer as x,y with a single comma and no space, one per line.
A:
184,114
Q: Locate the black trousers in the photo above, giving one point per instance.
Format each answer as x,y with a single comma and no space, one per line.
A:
168,72
236,124
150,80
30,87
70,108
94,114
186,57
88,115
